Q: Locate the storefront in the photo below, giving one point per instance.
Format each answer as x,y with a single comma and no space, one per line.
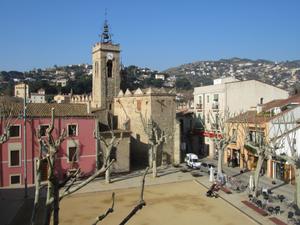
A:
281,170
232,157
252,163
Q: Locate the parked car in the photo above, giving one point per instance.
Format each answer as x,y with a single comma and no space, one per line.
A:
192,161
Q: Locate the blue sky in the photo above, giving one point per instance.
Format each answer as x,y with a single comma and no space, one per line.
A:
152,33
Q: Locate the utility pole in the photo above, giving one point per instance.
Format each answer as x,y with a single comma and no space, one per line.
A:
24,143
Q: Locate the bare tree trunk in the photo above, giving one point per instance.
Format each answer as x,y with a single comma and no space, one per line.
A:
56,203
50,188
150,157
107,176
220,160
37,191
257,174
48,210
154,161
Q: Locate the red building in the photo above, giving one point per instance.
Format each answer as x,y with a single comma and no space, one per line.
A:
79,143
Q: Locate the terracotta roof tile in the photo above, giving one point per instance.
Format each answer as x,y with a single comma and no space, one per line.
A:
44,109
281,102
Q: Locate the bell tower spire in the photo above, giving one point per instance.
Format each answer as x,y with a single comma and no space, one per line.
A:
106,35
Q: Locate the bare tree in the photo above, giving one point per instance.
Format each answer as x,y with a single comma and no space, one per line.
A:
108,147
221,133
52,199
156,137
258,141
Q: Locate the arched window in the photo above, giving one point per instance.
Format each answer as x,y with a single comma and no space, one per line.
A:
109,66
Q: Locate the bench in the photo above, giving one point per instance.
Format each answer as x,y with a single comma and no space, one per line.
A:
255,208
277,221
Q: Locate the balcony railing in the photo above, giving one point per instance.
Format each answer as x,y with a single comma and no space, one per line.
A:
215,106
199,106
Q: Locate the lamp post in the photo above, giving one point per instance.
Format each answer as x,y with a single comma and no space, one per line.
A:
24,142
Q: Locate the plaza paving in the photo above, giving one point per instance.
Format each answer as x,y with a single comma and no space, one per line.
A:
12,201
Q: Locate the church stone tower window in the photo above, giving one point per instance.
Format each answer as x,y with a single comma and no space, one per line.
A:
109,66
96,69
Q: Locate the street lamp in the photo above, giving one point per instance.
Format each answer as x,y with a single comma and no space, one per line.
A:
24,142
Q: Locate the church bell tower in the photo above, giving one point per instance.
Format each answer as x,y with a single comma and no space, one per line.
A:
106,71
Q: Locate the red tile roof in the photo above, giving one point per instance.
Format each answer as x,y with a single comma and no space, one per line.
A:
44,109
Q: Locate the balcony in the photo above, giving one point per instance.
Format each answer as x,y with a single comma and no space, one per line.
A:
199,106
215,106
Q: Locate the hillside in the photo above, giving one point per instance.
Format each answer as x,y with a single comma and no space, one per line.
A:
281,74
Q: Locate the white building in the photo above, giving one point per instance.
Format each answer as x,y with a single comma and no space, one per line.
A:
232,95
62,82
160,76
38,97
288,125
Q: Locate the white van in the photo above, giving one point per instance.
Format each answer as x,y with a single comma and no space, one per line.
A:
192,160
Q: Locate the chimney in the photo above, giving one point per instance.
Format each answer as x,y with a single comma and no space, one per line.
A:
258,108
261,101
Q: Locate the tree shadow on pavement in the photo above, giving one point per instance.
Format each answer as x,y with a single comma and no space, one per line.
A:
277,186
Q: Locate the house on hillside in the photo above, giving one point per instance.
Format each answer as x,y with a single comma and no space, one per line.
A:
38,97
20,90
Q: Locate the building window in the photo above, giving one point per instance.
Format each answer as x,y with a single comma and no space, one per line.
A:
109,66
15,179
216,97
139,105
215,104
72,154
43,129
200,103
14,158
72,130
207,98
256,137
14,131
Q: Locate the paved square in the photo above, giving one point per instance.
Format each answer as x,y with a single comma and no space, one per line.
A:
167,204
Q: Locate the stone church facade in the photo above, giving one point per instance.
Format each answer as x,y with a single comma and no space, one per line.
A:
135,110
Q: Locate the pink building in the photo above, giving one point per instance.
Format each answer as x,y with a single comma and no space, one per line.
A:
79,143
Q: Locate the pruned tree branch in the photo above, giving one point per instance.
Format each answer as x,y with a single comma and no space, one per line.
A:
141,202
84,183
110,210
